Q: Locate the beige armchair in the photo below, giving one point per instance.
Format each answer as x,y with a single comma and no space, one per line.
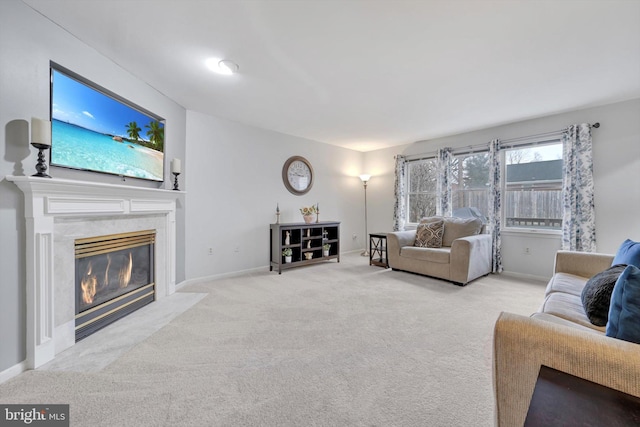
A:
461,259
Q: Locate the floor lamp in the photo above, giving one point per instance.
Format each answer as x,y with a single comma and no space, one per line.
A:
365,178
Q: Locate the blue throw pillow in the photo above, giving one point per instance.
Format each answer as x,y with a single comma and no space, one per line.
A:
628,253
624,311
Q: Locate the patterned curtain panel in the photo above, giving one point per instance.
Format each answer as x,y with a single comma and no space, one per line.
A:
495,204
400,209
578,219
443,199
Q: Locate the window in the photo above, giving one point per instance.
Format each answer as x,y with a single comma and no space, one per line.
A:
422,176
533,187
532,193
470,185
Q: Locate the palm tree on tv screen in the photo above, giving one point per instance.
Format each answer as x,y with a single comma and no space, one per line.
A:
156,135
134,131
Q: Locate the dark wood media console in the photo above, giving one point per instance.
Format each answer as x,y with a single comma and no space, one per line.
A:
305,241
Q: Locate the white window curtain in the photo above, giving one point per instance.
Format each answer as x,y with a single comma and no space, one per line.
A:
400,208
443,199
495,204
578,219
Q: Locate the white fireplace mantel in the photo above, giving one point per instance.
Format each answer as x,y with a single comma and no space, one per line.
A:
47,199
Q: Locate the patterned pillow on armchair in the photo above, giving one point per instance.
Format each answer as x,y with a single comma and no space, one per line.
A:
429,234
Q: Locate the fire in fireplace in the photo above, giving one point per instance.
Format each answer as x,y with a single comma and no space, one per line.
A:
114,277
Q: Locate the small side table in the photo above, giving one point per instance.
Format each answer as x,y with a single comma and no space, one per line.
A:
561,399
378,250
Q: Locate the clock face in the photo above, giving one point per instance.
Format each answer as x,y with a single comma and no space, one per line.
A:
297,175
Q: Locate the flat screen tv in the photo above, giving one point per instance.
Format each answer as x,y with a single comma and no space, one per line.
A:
94,129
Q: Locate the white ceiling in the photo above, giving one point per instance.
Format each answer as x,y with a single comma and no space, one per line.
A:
367,74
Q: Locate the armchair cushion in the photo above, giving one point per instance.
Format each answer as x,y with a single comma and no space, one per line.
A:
437,255
455,228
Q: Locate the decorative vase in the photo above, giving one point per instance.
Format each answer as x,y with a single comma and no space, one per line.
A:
308,255
287,239
308,218
325,253
287,259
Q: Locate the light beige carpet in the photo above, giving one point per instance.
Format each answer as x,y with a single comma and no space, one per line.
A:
326,345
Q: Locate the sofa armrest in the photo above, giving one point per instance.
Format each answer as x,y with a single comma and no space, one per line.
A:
397,239
522,344
470,258
583,264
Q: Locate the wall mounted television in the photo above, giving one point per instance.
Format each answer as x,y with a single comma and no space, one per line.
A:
93,129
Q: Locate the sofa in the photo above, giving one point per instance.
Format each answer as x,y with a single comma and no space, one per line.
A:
464,254
561,336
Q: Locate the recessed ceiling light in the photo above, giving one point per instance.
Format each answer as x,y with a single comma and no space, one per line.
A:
222,66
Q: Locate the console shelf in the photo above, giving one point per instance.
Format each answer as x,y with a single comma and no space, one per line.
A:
303,239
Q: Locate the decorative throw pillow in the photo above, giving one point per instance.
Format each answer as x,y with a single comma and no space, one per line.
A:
429,235
624,312
628,253
596,294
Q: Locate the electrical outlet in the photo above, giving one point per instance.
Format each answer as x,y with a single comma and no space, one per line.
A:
210,251
237,249
527,251
354,236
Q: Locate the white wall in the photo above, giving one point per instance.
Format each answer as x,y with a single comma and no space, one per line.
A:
28,42
381,198
616,151
234,181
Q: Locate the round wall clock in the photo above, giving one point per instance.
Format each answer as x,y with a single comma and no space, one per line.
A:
297,175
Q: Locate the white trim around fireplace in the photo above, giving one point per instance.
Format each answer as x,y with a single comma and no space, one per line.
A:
49,199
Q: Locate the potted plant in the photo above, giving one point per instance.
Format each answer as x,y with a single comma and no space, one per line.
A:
325,249
308,212
286,253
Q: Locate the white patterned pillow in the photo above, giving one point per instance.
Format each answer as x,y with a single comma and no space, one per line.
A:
429,235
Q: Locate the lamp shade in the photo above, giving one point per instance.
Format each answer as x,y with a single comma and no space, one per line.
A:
365,177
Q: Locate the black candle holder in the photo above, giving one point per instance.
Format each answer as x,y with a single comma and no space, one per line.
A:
175,182
41,166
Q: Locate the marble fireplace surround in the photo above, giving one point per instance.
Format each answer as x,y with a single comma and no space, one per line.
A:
58,211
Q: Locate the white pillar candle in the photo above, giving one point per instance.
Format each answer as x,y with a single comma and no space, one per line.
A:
40,131
176,166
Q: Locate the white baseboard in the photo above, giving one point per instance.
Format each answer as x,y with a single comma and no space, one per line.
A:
353,251
180,285
221,276
13,371
526,276
236,273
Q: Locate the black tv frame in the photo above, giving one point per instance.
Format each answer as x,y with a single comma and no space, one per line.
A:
106,92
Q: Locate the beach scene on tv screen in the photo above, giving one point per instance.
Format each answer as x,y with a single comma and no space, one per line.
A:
92,131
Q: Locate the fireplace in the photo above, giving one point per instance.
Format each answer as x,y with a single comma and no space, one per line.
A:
114,276
60,211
